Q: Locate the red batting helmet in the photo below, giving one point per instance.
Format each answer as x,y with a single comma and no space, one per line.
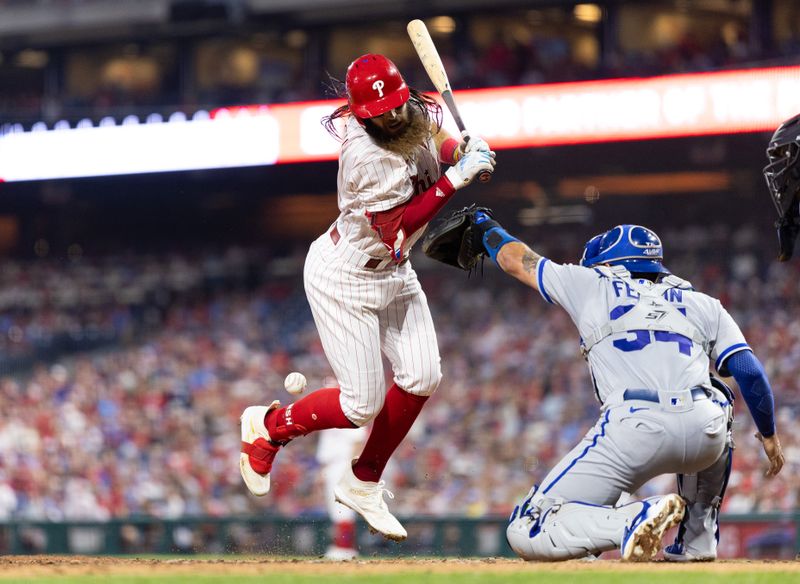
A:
374,86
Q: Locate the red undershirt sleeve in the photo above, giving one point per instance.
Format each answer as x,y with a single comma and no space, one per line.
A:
393,225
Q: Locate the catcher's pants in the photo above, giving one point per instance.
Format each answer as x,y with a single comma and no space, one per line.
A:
633,441
698,533
362,312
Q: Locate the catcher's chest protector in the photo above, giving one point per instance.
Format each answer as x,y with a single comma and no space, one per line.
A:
651,312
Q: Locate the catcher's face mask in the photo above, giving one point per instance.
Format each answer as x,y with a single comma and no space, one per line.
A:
783,181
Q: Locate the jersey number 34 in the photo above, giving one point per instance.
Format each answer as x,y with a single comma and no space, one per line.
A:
642,338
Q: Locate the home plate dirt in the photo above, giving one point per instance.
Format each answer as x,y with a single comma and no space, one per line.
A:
21,566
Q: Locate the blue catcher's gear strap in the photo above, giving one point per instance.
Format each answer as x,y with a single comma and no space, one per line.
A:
493,235
756,391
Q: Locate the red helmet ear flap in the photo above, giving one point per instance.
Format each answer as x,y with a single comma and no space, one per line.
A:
374,86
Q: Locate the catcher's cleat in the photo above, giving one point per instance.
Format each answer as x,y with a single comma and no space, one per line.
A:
642,540
258,452
366,499
677,553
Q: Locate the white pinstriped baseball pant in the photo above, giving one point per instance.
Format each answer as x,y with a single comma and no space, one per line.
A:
363,313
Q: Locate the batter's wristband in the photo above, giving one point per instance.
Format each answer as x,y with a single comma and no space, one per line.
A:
494,239
450,153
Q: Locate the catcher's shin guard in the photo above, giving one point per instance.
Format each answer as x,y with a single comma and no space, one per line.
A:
698,533
568,530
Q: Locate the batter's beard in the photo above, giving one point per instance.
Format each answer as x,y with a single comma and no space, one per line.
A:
406,142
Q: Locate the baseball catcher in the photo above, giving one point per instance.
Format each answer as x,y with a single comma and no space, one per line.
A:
783,181
647,337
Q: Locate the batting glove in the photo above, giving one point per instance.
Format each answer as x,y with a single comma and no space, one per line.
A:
471,165
474,144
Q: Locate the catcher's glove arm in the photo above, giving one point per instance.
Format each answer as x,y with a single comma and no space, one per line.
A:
514,257
453,241
464,237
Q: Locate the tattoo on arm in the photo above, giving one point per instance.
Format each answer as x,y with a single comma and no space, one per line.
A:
529,261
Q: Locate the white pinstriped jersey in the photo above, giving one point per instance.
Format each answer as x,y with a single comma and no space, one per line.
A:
364,313
373,179
638,358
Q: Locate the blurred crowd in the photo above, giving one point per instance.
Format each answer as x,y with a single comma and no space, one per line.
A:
505,62
509,62
52,306
147,423
140,78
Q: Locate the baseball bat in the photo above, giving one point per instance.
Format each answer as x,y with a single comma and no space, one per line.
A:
423,43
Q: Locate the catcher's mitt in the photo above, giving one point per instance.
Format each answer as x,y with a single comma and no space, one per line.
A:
455,241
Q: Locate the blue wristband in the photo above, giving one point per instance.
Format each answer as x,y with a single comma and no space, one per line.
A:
494,239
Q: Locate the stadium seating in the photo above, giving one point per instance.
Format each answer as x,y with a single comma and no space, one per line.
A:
146,421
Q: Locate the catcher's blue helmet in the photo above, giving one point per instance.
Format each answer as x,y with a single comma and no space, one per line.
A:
637,248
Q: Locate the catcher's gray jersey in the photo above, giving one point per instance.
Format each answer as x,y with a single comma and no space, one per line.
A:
648,347
642,352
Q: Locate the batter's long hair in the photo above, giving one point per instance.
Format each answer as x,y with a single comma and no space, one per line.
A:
430,109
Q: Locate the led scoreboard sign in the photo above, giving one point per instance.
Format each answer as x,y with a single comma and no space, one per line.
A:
514,117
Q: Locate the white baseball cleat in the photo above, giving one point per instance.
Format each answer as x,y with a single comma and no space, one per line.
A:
366,499
257,454
677,553
642,539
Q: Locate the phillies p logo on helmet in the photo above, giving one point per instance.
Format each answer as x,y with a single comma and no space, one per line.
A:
374,86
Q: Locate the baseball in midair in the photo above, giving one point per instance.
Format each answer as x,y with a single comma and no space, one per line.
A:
295,383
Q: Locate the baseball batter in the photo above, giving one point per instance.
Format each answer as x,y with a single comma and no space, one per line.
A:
364,294
647,336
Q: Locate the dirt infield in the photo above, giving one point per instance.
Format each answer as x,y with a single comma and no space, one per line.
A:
38,566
